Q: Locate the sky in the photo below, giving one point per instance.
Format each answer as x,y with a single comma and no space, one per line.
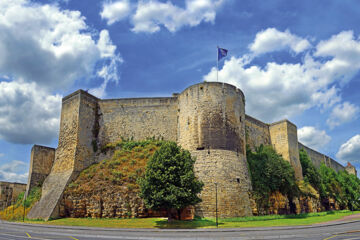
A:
298,60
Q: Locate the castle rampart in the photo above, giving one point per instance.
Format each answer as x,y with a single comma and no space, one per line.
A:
41,162
138,119
208,119
257,132
9,193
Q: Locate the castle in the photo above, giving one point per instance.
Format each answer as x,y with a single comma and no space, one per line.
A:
208,119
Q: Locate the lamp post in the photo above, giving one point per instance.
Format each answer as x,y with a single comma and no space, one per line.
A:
216,205
24,208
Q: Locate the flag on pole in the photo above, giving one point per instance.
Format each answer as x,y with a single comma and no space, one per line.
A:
222,52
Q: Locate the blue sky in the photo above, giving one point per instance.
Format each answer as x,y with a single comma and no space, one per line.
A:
293,59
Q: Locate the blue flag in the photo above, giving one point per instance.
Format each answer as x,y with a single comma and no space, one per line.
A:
222,52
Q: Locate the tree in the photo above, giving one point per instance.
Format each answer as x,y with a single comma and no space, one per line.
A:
269,173
169,181
310,173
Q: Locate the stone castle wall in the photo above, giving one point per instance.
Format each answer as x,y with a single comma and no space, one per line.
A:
41,162
9,193
208,119
257,132
137,119
319,158
284,139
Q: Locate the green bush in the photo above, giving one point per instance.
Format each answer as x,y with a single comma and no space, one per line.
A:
270,173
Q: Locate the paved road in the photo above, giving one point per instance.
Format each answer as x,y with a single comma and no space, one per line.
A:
333,231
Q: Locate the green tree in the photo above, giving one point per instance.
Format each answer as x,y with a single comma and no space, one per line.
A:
310,173
169,181
269,173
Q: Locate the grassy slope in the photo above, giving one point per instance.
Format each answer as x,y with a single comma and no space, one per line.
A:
119,173
16,211
262,221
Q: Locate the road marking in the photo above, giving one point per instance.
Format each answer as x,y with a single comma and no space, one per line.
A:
330,237
73,238
28,235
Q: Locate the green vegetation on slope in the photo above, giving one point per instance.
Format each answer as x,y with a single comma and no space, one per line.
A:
121,171
15,212
270,173
341,186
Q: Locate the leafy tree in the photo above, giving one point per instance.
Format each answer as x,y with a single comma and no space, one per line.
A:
169,181
310,173
269,173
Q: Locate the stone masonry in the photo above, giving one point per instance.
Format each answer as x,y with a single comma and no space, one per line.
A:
208,119
9,193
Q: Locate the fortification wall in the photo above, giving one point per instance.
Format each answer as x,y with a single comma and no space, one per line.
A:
9,193
351,169
41,161
139,118
284,139
257,132
319,158
74,153
212,127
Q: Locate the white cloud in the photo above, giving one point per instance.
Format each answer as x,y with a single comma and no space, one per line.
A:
344,50
15,171
43,49
1,155
350,150
342,113
312,137
115,11
272,39
28,114
47,45
149,16
278,91
108,73
105,45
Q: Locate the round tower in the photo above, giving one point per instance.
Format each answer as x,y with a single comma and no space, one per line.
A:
211,126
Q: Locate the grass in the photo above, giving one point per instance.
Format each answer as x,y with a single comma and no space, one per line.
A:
15,212
256,221
120,172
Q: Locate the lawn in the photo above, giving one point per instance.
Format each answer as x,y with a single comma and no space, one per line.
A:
258,221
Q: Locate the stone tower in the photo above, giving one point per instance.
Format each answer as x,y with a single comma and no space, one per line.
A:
74,152
211,125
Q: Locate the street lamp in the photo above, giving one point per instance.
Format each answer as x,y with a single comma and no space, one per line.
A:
216,205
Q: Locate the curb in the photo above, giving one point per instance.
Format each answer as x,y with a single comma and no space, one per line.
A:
179,230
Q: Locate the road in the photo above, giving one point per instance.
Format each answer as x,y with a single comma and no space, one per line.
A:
334,231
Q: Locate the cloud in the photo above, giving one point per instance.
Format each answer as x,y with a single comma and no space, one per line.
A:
47,45
342,113
15,171
312,137
108,73
283,90
27,113
344,50
350,150
149,16
271,39
1,155
115,11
